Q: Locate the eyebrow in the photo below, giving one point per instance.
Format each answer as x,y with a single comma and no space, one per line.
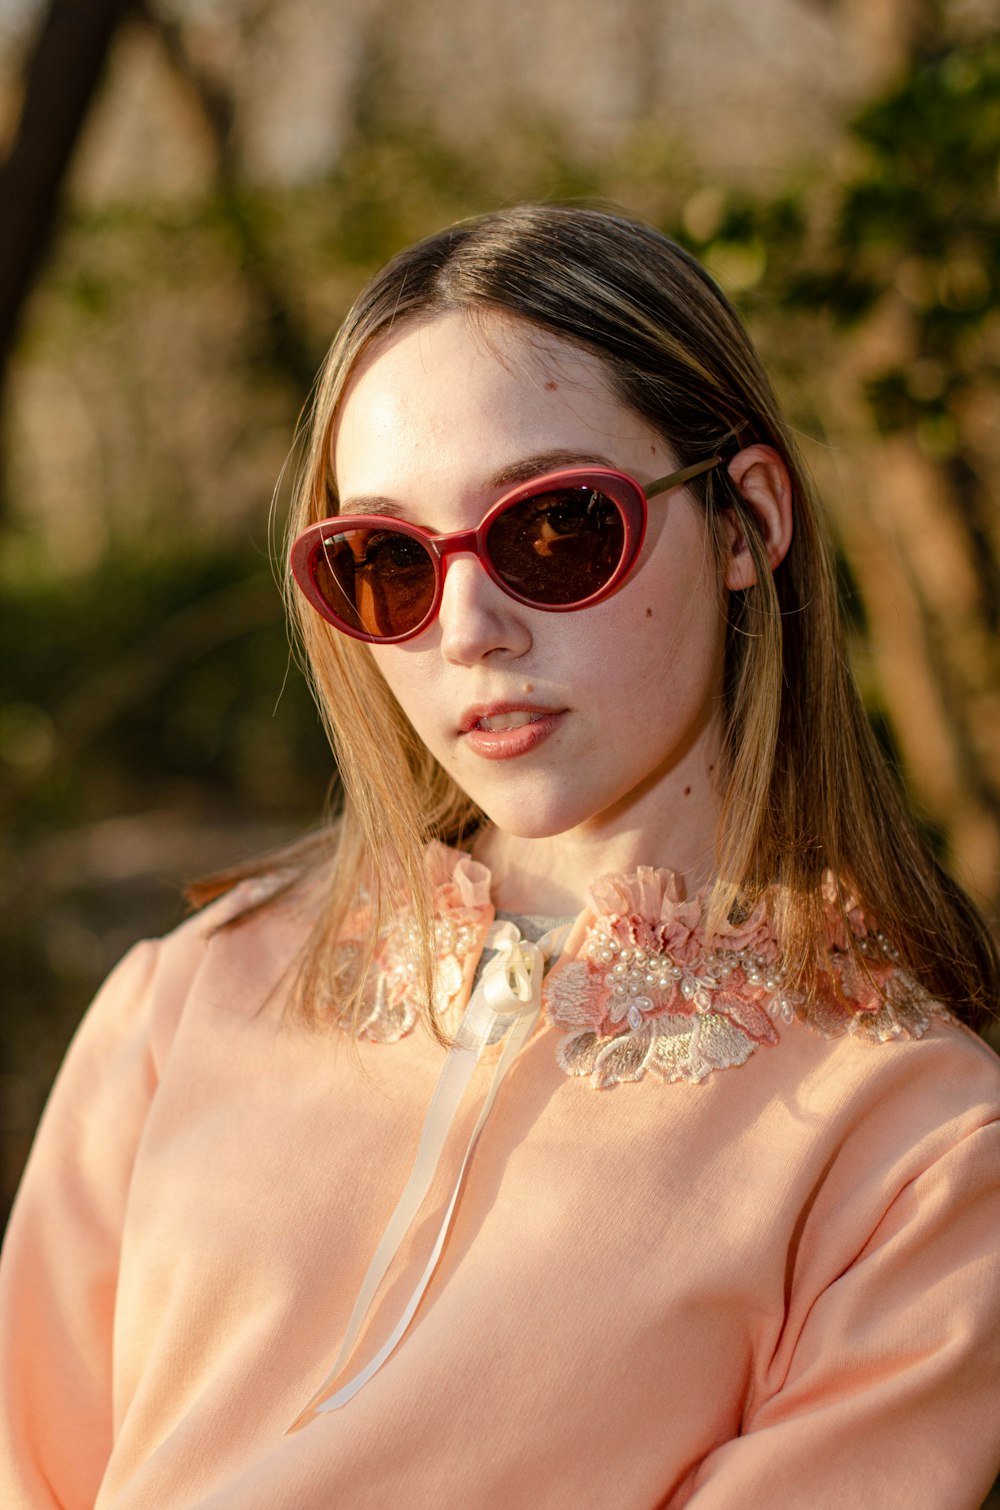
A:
510,475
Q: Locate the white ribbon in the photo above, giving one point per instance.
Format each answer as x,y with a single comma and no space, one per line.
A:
509,995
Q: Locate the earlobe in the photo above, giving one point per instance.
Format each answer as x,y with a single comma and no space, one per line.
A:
762,478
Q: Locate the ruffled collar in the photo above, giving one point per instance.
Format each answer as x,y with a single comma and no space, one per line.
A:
641,989
462,911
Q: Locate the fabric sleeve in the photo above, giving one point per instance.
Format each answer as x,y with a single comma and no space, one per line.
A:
60,1258
891,1396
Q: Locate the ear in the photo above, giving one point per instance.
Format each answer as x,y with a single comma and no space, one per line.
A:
762,478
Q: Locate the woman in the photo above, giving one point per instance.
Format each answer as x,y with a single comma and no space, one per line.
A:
659,1168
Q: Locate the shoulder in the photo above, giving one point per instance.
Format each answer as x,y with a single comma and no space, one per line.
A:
232,953
882,1026
894,1108
884,1041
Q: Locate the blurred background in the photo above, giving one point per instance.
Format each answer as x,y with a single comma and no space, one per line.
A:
191,193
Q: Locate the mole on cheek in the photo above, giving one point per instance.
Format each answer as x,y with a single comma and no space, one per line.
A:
551,386
687,791
649,613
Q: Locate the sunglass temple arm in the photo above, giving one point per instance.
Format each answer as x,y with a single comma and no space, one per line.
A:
677,479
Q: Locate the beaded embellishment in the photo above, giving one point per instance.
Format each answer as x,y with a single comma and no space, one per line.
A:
648,995
882,1004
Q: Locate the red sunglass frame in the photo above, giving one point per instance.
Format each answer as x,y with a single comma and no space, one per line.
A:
624,491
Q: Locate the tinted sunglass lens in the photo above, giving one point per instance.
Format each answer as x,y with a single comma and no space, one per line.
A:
379,582
558,548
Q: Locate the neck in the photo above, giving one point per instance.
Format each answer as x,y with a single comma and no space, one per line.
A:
552,874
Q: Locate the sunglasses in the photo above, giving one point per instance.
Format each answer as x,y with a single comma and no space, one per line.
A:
560,542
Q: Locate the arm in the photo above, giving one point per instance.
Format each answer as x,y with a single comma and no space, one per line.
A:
60,1261
891,1396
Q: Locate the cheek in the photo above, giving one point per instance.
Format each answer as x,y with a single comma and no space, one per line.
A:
691,639
667,633
666,680
409,675
678,569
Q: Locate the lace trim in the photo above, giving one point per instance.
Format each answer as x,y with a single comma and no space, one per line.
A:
460,900
647,993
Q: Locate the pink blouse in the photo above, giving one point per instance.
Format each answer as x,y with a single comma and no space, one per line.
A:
715,1246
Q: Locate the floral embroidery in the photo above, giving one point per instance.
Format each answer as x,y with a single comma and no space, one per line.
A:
879,1003
460,902
649,995
646,996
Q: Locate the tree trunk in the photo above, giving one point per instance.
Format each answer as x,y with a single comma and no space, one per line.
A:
63,72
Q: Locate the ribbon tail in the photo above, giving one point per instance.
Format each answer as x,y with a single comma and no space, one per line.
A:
512,981
448,1092
517,1038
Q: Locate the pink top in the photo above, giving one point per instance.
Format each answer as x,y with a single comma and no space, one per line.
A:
705,1254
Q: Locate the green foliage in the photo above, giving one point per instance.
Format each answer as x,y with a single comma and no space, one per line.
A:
172,685
916,219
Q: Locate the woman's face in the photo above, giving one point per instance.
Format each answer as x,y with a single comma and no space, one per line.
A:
601,720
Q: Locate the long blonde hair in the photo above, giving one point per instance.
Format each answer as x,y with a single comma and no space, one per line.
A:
806,793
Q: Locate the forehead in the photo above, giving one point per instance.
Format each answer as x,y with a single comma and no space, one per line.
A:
440,393
476,344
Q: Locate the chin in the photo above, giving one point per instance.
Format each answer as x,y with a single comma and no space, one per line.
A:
522,824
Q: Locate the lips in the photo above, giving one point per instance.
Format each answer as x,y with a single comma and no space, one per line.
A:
516,720
502,731
496,717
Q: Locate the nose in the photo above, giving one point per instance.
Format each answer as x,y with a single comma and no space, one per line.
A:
477,617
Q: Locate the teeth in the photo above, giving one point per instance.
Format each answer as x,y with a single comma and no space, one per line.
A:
515,720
